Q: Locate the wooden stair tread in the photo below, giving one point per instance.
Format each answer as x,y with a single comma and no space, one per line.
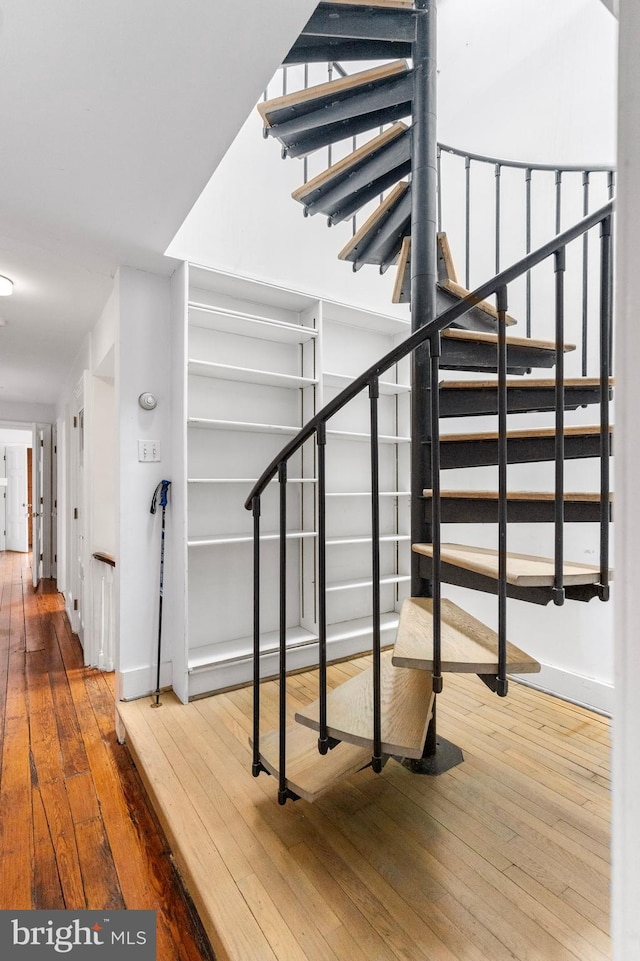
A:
389,201
392,4
523,570
407,706
489,338
591,497
309,773
579,430
342,165
403,266
320,90
522,384
467,645
447,278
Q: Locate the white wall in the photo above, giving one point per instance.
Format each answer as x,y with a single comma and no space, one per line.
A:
533,80
143,363
626,771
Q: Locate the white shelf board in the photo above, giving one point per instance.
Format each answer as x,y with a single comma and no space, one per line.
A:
247,375
213,540
247,480
241,648
360,626
368,494
248,325
357,435
361,317
207,423
248,288
365,539
366,582
343,380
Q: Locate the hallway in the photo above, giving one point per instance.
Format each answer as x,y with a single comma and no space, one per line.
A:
76,829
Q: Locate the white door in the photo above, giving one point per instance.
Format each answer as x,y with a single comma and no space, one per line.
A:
17,528
36,509
42,495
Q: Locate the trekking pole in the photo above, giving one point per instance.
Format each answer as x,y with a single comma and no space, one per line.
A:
161,491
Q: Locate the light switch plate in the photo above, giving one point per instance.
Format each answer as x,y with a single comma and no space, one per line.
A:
148,450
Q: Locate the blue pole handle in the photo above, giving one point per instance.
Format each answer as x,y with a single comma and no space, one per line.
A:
162,491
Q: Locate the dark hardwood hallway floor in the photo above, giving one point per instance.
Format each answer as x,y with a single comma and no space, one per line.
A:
76,828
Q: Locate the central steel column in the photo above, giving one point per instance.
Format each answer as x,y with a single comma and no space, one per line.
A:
438,754
423,266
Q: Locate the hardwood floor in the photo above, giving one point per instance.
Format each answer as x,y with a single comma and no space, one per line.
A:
76,828
504,857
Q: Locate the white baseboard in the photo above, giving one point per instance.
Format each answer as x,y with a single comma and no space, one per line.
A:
585,691
141,681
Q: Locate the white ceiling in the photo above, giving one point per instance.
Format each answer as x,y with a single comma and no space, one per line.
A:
113,116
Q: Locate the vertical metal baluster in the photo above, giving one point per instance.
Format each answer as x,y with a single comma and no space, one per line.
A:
611,183
558,582
585,276
330,147
611,180
376,760
256,766
501,680
498,172
283,792
558,200
285,73
305,162
436,527
467,219
323,737
527,177
439,185
605,368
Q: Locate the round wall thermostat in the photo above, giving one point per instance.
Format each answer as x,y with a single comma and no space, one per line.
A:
148,401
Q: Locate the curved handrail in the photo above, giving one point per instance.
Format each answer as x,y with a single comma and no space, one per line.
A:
416,339
527,165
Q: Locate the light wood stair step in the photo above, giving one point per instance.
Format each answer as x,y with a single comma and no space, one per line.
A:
481,507
309,773
523,446
342,189
407,706
482,316
523,570
467,645
308,119
463,398
380,237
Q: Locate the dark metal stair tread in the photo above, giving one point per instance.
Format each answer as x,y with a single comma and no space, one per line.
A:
573,431
407,706
342,166
374,224
391,4
489,338
309,774
467,645
523,570
577,496
320,91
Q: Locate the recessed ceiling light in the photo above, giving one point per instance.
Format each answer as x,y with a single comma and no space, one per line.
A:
6,286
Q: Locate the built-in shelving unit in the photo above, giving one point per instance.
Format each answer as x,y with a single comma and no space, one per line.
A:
257,361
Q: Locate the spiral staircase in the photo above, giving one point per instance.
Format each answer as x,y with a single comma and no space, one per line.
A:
390,710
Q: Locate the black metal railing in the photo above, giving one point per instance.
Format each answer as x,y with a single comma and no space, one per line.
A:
429,336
